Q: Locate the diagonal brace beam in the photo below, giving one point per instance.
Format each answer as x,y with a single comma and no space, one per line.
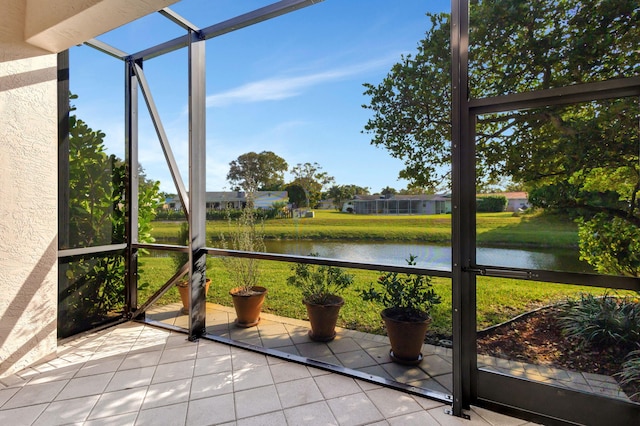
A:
164,141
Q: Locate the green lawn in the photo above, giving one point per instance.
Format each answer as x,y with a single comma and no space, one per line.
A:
498,299
492,228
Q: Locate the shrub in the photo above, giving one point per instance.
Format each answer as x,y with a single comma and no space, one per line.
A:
491,204
602,321
411,296
319,283
630,374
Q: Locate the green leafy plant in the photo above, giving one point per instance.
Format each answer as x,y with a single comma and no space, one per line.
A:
319,283
408,296
92,288
630,374
602,321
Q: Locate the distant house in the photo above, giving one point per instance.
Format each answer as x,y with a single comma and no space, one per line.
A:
399,204
220,200
422,203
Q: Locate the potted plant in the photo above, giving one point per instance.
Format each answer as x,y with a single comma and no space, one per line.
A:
321,286
179,259
408,299
248,297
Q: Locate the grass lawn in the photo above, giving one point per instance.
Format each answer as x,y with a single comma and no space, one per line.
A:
492,228
498,299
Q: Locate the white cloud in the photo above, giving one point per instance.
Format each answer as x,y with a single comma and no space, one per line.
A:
276,88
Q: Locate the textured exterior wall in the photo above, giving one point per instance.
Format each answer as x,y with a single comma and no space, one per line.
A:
28,194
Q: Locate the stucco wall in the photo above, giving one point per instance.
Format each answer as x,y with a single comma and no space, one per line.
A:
28,197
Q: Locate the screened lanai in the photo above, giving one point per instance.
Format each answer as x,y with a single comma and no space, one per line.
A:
541,97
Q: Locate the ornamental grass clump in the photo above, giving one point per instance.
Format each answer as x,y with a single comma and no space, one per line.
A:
407,297
630,374
606,321
320,284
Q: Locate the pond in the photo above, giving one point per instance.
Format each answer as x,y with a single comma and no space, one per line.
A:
433,256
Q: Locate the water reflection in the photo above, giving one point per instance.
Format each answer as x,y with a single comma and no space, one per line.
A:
433,256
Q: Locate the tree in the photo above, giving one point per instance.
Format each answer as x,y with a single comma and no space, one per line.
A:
387,191
341,193
582,157
265,170
309,177
94,287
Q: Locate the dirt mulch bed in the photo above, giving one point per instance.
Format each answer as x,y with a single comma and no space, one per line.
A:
537,339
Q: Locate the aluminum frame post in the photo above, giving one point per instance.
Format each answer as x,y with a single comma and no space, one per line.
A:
463,215
131,187
197,188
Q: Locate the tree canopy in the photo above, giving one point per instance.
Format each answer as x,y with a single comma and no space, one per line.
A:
312,180
262,171
339,194
580,157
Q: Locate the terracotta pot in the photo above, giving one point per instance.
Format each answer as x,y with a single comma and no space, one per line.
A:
248,306
323,319
406,338
183,289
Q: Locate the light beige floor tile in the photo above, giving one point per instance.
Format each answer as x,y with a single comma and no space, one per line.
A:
104,365
317,413
314,350
242,359
286,371
58,374
249,378
435,365
69,411
127,419
253,402
119,402
212,364
272,329
333,385
355,359
211,385
179,353
419,418
354,409
393,403
207,349
35,394
129,379
168,415
23,415
167,393
276,341
343,344
141,359
495,418
212,410
298,392
173,371
276,418
6,394
428,404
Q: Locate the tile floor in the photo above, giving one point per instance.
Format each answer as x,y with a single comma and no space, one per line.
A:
136,374
369,353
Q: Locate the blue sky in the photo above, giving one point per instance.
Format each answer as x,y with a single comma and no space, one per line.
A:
291,85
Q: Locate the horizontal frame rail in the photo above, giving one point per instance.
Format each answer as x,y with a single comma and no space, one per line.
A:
88,251
218,252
